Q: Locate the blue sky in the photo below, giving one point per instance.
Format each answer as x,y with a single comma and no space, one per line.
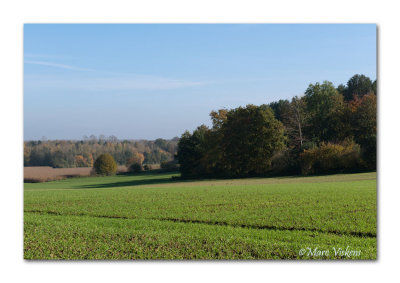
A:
150,81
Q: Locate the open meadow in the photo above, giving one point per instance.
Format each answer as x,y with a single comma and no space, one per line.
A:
151,216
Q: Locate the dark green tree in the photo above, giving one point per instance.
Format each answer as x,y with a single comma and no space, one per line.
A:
191,151
358,85
279,108
135,168
325,108
341,89
364,128
251,136
161,143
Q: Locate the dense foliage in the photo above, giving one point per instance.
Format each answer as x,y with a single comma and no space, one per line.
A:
68,153
135,168
330,158
241,143
328,130
105,165
169,166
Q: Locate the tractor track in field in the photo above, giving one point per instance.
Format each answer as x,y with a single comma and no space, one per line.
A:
219,223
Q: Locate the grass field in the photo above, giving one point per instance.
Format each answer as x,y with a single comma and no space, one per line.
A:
151,216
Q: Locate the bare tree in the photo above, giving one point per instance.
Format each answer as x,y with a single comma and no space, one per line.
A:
294,118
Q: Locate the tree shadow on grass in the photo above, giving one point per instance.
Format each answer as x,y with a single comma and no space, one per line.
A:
131,183
150,178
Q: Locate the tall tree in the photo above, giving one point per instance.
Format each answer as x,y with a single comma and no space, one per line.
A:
279,108
218,118
192,153
293,119
341,89
358,85
324,106
364,127
251,135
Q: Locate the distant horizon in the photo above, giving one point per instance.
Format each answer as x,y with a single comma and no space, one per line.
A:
107,138
143,82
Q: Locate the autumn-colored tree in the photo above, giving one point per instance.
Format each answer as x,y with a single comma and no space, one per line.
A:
62,153
81,161
329,158
136,158
218,118
105,165
90,160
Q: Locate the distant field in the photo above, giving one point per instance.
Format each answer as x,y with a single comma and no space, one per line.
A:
150,216
34,174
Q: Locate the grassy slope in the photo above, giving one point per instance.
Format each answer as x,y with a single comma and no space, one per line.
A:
150,216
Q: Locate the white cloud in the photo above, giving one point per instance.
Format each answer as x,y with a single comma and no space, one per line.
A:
56,65
103,81
122,82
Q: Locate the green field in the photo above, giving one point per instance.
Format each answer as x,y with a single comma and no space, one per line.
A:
151,216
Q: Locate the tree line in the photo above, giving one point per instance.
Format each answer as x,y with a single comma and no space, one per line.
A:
327,130
83,153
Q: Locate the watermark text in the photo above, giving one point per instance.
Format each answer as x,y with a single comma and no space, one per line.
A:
341,252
